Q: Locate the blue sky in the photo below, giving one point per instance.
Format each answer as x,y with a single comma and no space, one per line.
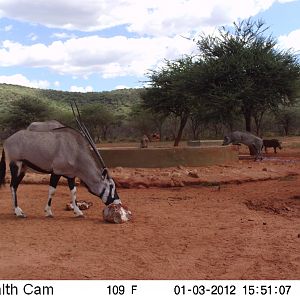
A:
98,45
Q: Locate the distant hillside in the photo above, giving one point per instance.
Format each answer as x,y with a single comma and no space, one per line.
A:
119,101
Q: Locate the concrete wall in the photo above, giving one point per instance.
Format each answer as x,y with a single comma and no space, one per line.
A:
168,157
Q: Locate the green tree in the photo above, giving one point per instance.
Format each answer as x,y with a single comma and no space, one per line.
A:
98,119
64,116
171,93
146,121
23,111
287,118
246,73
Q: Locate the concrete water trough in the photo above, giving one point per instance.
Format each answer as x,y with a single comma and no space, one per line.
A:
132,157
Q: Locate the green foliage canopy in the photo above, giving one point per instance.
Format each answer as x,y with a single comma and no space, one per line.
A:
171,91
246,72
98,119
25,110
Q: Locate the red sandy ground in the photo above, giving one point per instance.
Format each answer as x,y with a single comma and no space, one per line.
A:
239,221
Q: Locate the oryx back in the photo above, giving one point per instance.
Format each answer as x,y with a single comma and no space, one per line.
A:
45,126
56,151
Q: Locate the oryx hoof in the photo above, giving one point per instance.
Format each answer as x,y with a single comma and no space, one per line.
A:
78,212
48,214
79,216
21,216
19,213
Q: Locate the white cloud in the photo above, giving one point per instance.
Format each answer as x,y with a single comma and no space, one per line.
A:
56,83
32,36
121,87
8,28
109,57
174,17
36,55
290,41
150,17
80,89
63,35
286,1
19,79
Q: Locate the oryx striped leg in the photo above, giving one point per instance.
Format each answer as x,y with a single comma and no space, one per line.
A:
72,186
52,188
17,174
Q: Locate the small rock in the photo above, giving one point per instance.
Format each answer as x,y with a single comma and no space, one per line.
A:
177,183
265,169
142,186
264,223
193,174
116,213
298,235
125,184
119,169
165,174
176,174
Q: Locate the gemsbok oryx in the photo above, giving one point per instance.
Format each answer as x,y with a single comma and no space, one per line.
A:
62,151
247,139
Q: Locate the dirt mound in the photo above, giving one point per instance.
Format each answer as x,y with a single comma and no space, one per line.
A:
284,207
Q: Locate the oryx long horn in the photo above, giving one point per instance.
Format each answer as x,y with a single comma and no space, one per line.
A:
86,133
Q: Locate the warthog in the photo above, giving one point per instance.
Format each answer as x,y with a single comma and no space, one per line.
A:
246,138
272,143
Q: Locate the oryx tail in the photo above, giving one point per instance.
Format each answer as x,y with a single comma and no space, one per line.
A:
2,168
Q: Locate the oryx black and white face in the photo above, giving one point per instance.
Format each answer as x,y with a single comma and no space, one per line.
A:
108,192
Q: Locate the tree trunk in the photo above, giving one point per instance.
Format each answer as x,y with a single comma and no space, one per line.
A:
248,120
183,121
160,130
194,130
104,132
286,129
258,118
